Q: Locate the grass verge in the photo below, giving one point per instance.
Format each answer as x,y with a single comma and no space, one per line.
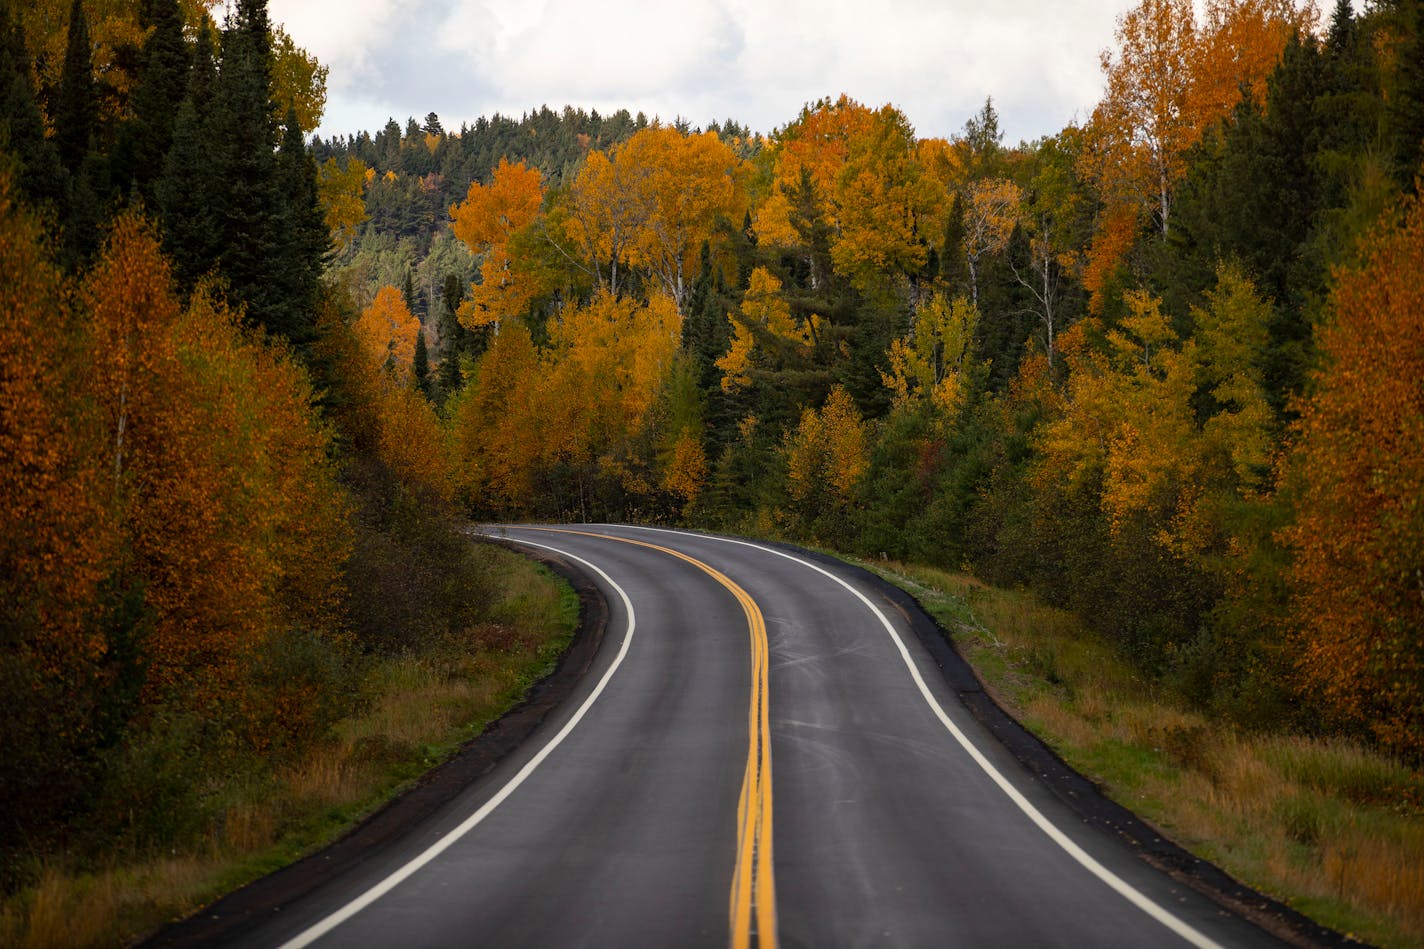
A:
421,709
1331,829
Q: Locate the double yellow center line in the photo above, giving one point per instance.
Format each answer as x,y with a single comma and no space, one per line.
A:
752,907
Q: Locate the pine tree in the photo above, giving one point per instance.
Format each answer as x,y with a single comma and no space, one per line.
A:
41,177
1406,99
249,214
454,338
163,84
76,111
307,239
185,191
420,364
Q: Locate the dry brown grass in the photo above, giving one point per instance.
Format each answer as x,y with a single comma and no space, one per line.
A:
422,708
1331,828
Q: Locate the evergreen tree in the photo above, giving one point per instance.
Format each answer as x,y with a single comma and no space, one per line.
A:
420,364
185,191
408,291
76,110
1007,312
40,175
454,338
953,265
307,239
1406,96
163,84
251,217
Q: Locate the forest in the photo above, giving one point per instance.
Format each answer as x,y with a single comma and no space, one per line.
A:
1164,368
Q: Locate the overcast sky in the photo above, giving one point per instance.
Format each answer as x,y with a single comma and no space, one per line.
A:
756,61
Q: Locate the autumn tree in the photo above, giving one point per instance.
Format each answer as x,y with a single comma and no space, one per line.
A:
933,365
826,456
884,198
497,433
58,537
388,330
765,336
1360,475
487,221
607,363
1171,79
341,189
609,206
991,211
692,183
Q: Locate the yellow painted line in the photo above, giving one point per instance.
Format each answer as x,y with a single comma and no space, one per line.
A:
753,896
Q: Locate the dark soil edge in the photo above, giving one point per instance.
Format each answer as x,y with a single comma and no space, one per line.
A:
1084,797
229,917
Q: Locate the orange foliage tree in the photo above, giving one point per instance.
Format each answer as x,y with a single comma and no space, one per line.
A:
1170,79
58,537
1359,462
227,496
488,220
387,330
692,182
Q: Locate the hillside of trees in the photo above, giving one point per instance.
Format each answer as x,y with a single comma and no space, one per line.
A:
1160,367
204,523
1164,367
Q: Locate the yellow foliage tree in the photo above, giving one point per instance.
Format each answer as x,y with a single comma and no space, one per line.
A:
341,190
605,368
764,321
691,182
828,452
387,331
932,363
992,208
608,210
496,424
882,195
487,221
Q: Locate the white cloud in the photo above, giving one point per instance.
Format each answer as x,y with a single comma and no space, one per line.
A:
756,61
339,33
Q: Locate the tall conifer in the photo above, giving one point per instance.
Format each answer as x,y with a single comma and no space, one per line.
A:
76,110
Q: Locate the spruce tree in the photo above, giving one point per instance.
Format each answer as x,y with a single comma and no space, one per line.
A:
185,192
420,365
163,84
41,177
306,237
1406,96
454,338
248,212
76,110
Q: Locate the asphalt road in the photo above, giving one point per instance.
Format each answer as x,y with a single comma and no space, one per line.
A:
761,754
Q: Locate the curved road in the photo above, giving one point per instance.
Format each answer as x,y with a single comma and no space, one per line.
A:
761,755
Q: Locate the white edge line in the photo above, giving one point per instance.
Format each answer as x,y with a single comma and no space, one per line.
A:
1124,889
317,930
